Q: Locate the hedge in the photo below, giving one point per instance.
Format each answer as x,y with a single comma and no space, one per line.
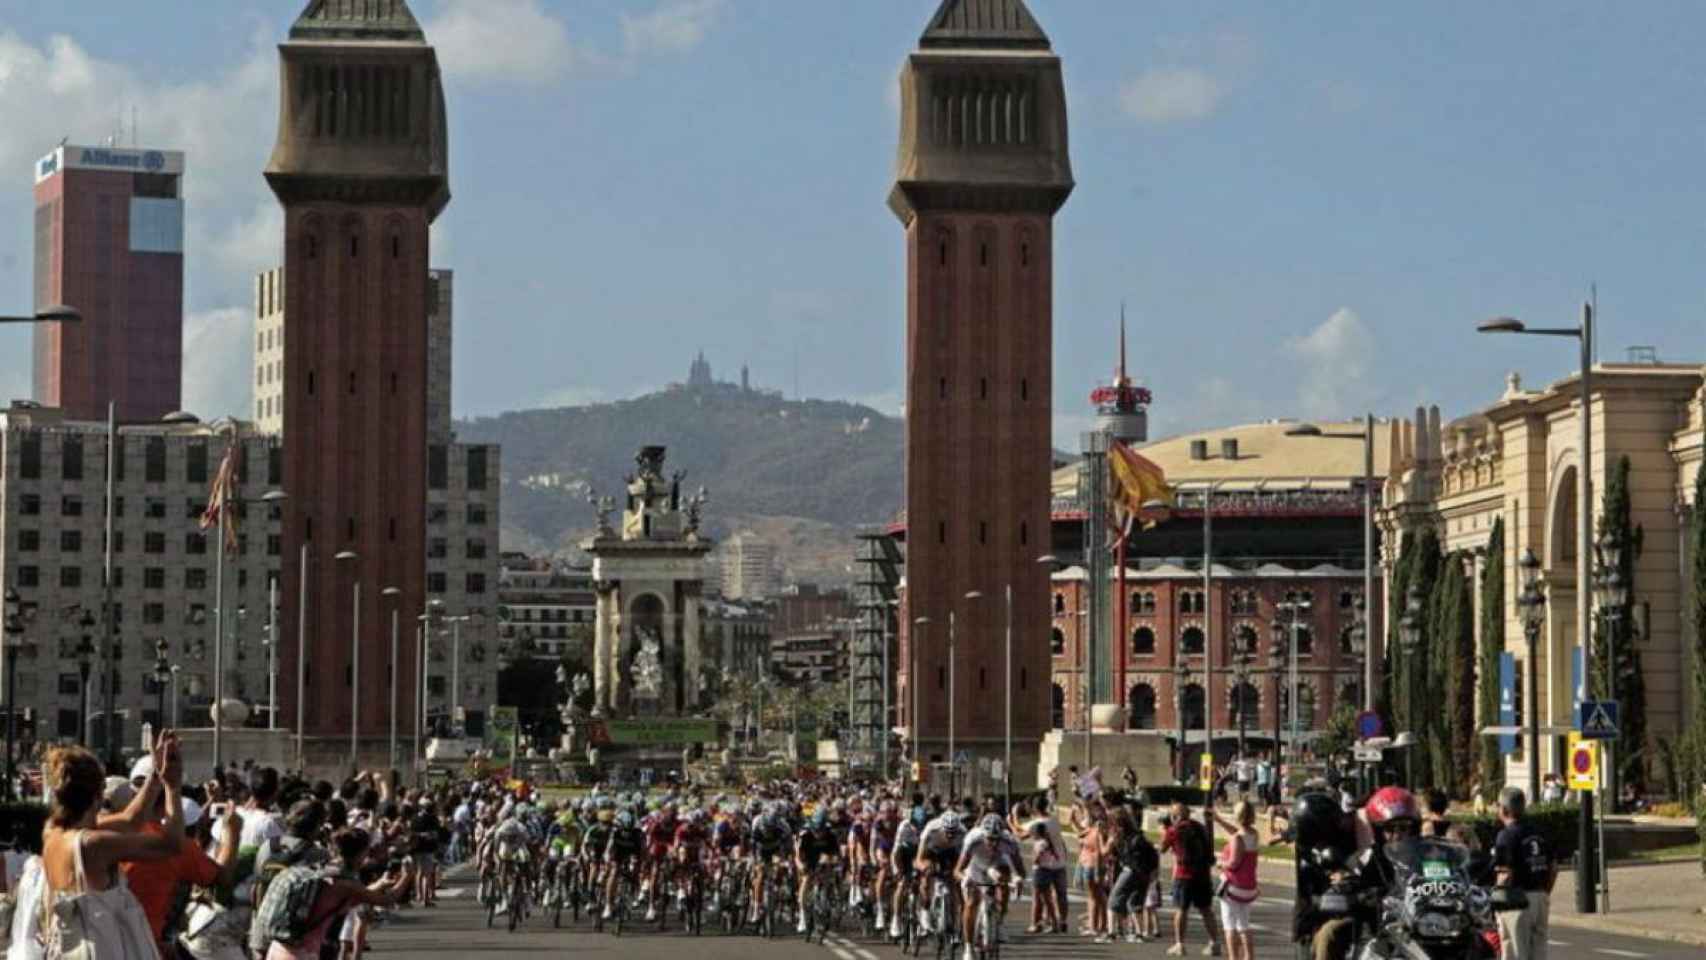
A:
1558,822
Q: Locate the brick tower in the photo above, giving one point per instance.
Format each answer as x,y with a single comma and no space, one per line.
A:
361,167
982,169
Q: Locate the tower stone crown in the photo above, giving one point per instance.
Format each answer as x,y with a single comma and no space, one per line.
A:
984,24
359,20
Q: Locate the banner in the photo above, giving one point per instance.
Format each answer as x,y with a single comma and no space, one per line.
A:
1576,675
502,732
1507,702
658,731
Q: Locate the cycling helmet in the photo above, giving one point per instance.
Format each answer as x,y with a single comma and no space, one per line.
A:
625,820
990,824
919,817
1392,803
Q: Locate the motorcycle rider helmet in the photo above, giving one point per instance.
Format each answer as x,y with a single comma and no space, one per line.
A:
1393,809
1318,823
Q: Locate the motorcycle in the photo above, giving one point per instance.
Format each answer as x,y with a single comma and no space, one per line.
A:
1431,908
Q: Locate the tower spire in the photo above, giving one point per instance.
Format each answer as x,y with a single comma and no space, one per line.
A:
1122,342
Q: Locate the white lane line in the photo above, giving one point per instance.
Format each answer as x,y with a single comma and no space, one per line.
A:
1275,902
852,947
843,954
1557,943
1611,952
452,893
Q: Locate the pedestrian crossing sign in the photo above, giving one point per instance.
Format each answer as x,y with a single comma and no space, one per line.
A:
1598,719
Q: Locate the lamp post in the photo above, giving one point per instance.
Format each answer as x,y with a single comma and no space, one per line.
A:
1242,654
1367,438
1531,604
173,706
14,631
392,593
301,649
1276,663
1410,629
1296,606
1181,674
1586,895
85,661
272,498
162,676
918,625
1611,594
456,623
352,557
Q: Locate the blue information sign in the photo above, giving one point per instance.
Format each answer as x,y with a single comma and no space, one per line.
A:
1368,725
1507,702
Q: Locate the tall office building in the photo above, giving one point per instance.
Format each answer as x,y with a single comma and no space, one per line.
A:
747,565
362,169
110,242
982,169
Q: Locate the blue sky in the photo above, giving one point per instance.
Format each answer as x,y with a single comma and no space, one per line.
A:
1305,206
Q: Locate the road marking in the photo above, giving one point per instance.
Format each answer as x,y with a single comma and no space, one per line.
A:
1276,902
1557,943
452,893
1608,951
843,954
852,948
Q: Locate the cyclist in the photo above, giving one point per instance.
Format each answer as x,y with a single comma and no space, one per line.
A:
816,848
514,852
659,829
989,857
622,854
771,838
879,845
939,854
687,850
902,864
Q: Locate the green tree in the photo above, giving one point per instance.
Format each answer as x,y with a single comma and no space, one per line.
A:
1695,751
1423,687
1391,701
1492,765
1451,678
1621,678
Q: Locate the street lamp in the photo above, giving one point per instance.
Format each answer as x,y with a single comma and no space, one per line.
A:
1181,674
174,702
393,593
1276,663
273,498
1410,631
85,661
162,676
1531,604
953,707
354,655
918,624
1367,438
1243,652
1611,595
1296,607
14,631
1586,894
58,313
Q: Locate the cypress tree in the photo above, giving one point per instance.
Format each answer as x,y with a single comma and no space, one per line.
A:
1421,686
1451,678
1696,751
1492,766
1622,679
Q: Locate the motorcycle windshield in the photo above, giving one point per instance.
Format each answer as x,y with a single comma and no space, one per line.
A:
1428,857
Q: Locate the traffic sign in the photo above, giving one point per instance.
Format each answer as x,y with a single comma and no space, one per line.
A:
1584,763
1207,771
962,758
1369,725
1366,754
1598,719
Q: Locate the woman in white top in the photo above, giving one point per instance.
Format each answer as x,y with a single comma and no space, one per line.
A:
86,899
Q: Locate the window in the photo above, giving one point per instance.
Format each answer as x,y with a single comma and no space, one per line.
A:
70,541
153,613
1191,706
1148,603
476,514
476,549
275,465
118,584
438,548
436,685
155,509
476,468
1305,642
1143,641
1191,641
1246,705
476,583
154,460
70,578
70,506
437,514
195,544
195,578
29,576
1140,704
1057,641
195,461
71,458
436,583
275,544
154,578
153,541
438,467
1059,604
29,505
69,685
29,457
29,541
1057,707
193,509
118,507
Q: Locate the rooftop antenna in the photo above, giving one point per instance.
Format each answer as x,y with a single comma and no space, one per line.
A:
1122,341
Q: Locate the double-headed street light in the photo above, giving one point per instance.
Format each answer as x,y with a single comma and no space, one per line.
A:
162,676
350,556
85,662
1531,605
1611,595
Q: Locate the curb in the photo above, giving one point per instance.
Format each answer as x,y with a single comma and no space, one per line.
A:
1629,929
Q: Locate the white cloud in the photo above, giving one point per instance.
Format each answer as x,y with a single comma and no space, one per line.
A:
1168,94
1335,359
673,27
500,40
219,363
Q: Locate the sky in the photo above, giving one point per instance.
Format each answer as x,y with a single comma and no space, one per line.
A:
1305,207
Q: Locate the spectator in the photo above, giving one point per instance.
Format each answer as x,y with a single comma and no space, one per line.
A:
1523,860
1087,821
1264,780
1188,841
341,892
1238,862
1137,862
156,882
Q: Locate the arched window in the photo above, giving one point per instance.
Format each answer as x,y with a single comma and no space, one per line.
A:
1350,692
1187,602
1305,642
1191,641
1246,705
1057,707
1191,706
1244,642
1140,704
1136,603
1148,603
1057,641
1059,604
1143,641
1305,707
1347,640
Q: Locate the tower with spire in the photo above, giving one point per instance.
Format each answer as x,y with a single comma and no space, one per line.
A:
1122,407
699,374
361,167
982,169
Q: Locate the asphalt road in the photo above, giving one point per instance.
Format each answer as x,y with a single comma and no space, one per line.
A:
456,930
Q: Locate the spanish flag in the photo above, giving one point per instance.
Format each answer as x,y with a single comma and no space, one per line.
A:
1133,481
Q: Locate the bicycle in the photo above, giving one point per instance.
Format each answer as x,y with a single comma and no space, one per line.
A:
823,911
986,936
906,915
517,897
944,917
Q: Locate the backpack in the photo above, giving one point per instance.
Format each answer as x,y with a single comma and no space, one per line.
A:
1193,843
288,855
1144,857
286,913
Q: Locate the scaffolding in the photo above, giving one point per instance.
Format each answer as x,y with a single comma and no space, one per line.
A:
874,633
